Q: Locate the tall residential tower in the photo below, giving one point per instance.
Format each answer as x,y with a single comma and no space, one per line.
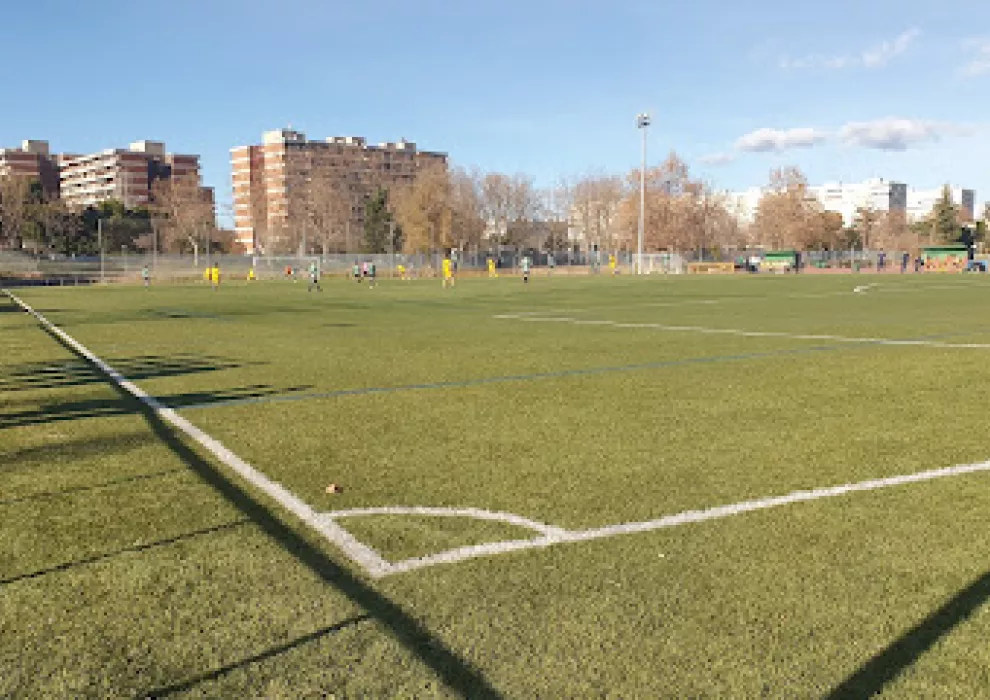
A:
267,177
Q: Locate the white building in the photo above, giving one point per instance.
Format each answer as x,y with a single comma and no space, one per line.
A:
126,174
846,198
921,202
743,204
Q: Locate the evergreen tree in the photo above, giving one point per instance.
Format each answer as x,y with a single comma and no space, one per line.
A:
378,225
945,218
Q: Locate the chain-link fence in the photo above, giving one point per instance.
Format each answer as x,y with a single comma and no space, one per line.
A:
19,268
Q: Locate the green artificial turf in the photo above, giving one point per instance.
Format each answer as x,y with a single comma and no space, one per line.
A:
131,563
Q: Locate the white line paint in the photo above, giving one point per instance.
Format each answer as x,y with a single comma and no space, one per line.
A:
691,516
889,286
475,513
377,567
356,550
746,333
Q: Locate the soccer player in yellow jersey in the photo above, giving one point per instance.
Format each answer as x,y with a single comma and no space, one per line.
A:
448,272
215,276
401,269
611,262
491,267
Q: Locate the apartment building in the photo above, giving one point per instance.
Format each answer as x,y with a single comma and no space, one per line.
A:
743,204
126,174
32,160
921,202
847,198
268,177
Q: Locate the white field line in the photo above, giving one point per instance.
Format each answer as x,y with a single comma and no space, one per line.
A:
744,333
691,516
476,513
886,287
355,549
378,567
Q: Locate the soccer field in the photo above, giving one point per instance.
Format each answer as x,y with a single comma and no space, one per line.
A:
741,486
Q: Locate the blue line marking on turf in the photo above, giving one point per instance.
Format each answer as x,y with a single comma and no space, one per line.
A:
460,384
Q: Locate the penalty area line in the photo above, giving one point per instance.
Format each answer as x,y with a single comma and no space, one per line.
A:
358,552
705,330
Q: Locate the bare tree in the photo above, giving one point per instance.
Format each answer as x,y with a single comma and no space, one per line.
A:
867,224
184,213
787,214
824,231
15,206
596,201
557,209
465,201
54,218
506,202
892,232
423,211
681,213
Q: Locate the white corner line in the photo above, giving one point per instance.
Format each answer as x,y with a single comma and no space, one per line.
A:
377,567
474,513
691,516
365,556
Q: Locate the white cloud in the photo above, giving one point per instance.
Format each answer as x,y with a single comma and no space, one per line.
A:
766,140
979,62
893,134
881,54
717,159
872,57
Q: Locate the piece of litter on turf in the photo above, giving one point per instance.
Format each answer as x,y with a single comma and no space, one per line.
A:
335,488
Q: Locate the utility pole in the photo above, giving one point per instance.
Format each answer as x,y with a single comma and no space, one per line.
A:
642,122
99,241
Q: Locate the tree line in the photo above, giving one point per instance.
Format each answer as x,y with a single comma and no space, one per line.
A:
470,209
178,219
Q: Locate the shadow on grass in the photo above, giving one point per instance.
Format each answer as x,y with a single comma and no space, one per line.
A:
454,671
871,678
65,566
92,487
102,408
78,318
78,372
56,453
267,654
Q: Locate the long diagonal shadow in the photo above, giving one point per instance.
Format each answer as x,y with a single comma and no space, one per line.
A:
102,408
879,671
451,669
267,654
106,556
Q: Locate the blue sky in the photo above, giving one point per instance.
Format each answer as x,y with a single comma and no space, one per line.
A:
845,90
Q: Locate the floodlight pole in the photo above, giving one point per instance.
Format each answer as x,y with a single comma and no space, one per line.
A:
99,241
642,123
